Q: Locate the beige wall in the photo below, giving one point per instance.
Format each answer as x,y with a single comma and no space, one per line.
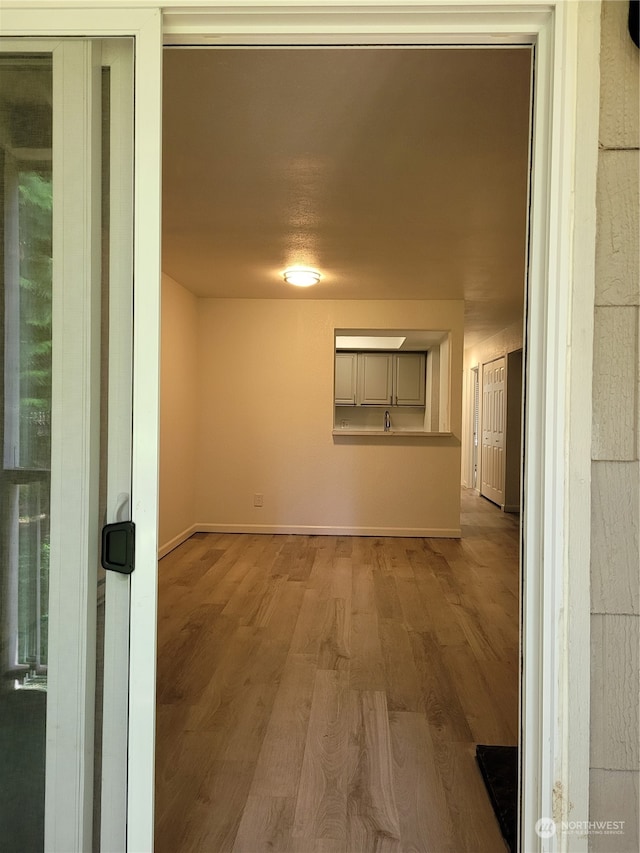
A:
179,412
615,559
504,341
266,416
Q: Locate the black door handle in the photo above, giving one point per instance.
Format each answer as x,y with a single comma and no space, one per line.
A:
118,547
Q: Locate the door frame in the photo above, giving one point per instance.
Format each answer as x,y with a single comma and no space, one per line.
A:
475,443
556,512
555,635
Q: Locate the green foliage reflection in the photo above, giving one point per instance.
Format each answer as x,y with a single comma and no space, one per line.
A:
35,218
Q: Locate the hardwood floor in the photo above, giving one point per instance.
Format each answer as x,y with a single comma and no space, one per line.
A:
320,694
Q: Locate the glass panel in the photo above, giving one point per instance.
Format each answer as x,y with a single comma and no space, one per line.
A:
25,425
33,581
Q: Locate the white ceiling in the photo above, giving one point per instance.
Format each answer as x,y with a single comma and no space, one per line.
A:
399,173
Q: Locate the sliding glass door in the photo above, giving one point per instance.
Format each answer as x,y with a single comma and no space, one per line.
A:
65,433
26,86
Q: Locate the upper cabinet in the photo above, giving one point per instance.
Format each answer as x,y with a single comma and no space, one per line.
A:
375,379
346,372
405,371
380,379
409,379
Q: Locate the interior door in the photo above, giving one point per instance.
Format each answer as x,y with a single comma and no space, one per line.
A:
66,408
493,425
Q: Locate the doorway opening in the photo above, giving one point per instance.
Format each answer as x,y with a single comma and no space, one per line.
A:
230,317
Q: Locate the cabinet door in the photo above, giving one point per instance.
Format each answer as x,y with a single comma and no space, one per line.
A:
345,386
409,379
375,378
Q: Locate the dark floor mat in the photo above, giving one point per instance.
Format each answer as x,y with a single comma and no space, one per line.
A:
499,768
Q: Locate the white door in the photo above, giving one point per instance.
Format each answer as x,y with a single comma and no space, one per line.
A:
493,418
69,431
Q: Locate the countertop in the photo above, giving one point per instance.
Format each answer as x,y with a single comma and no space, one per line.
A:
391,433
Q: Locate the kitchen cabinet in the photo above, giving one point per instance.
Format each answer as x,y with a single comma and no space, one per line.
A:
409,379
375,379
346,372
380,379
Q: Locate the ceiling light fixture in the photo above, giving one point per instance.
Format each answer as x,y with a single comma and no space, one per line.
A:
301,276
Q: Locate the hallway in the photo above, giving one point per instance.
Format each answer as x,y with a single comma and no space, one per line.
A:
321,693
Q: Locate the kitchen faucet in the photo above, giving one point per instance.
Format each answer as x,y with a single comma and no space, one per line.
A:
387,421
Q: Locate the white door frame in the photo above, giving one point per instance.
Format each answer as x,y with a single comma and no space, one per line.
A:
75,431
556,513
473,436
117,55
556,510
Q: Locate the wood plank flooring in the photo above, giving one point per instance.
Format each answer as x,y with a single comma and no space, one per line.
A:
321,694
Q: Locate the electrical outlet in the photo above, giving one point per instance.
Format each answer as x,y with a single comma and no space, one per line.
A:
258,499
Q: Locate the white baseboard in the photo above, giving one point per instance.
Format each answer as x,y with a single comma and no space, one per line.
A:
305,530
177,540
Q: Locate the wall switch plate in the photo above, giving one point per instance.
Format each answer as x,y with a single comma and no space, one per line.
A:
258,499
344,424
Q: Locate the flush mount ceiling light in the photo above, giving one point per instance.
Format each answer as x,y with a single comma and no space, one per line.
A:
301,276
